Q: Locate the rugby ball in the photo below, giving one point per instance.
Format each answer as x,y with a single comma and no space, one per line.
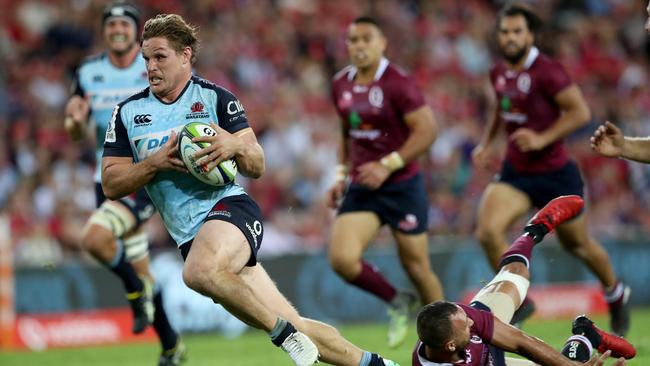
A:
222,174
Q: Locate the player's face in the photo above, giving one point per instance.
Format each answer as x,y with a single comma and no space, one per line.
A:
119,34
366,45
167,69
515,39
461,325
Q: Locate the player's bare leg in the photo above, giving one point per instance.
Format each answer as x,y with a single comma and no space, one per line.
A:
214,267
500,206
574,237
352,233
101,243
334,349
414,256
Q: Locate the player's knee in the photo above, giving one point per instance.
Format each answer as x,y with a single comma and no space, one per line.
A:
97,240
343,265
195,278
488,236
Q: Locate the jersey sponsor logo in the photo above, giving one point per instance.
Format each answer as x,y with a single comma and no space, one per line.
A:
110,131
197,111
365,134
376,97
108,98
98,79
514,117
233,107
476,339
147,144
142,120
523,83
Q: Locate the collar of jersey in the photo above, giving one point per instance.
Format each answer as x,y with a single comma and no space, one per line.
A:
383,64
179,95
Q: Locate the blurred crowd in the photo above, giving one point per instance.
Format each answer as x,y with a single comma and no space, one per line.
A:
278,57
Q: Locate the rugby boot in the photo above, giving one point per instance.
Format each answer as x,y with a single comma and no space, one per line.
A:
619,311
525,311
142,306
175,356
557,211
398,317
602,340
301,349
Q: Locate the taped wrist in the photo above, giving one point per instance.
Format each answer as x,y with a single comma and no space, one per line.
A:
392,161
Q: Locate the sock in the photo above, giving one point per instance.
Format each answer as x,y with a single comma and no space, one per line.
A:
365,358
577,348
376,360
615,294
124,270
281,331
519,251
168,337
369,279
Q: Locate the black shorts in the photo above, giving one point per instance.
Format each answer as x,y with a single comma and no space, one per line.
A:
138,203
498,355
242,212
543,187
402,205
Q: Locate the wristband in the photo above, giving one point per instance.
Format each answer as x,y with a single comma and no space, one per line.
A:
392,161
340,172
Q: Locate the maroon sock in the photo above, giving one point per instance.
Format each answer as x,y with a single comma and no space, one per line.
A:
371,280
520,251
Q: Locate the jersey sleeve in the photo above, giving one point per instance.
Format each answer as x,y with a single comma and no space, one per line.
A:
555,79
116,142
408,96
483,321
230,112
76,88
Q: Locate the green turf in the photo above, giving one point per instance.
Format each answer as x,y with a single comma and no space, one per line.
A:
254,349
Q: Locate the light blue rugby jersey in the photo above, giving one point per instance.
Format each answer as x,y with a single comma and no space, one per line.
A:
106,85
142,124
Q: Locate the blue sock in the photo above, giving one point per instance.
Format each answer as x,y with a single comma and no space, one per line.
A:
365,359
281,331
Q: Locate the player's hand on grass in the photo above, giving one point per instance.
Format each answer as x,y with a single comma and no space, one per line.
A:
372,174
608,140
600,360
335,194
223,146
528,140
166,158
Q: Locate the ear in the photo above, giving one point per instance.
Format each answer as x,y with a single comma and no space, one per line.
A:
450,346
187,54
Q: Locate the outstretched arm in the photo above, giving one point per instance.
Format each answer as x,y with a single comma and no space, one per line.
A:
511,339
608,140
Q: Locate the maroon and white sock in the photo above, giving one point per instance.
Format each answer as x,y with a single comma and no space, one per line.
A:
369,279
615,294
520,250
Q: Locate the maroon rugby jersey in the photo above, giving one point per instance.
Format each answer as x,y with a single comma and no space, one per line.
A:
476,352
526,99
373,115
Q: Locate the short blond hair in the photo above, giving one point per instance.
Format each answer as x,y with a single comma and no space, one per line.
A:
176,30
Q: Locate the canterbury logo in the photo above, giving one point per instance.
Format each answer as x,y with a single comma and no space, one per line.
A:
142,119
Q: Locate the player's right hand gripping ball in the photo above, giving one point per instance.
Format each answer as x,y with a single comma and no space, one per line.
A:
222,174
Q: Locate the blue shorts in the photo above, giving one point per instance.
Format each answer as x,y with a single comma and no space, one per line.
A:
498,355
138,203
242,212
543,187
402,205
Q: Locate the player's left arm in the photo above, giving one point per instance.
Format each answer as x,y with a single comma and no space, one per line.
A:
575,113
511,339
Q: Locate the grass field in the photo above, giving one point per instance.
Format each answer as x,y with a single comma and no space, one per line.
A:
254,348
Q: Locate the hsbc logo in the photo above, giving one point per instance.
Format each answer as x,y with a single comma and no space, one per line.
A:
234,107
142,120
